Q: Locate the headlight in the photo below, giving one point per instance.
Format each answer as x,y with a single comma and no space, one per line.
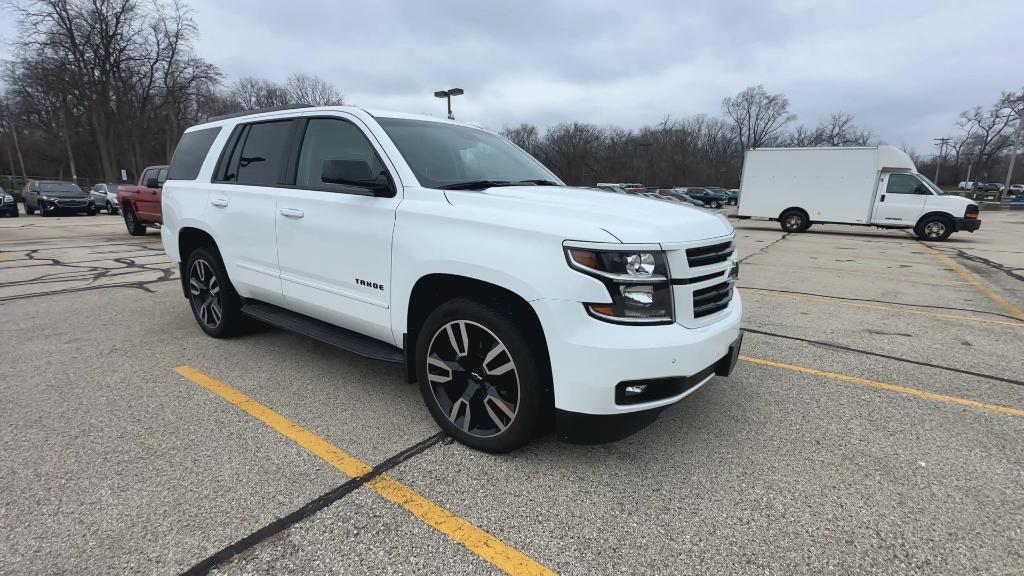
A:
637,281
8,198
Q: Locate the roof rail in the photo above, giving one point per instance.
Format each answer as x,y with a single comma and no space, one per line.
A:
256,111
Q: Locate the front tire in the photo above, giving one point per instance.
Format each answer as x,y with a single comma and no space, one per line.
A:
934,228
215,304
29,210
131,221
479,376
794,221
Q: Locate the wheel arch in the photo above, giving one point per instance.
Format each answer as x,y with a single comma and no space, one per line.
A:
779,217
949,217
432,290
190,238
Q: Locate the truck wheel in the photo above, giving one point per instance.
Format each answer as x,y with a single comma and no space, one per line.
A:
131,221
795,220
215,304
934,228
479,376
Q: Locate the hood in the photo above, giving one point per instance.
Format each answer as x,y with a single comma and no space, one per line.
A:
631,219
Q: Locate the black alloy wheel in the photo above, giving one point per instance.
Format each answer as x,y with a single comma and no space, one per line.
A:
473,378
205,294
482,374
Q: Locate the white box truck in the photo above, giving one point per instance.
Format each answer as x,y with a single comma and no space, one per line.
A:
866,186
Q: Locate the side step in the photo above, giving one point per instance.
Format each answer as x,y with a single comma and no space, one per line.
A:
322,331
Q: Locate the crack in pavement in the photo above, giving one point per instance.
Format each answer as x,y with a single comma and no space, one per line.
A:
764,249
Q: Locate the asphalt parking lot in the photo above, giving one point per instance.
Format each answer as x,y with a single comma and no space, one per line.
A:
874,425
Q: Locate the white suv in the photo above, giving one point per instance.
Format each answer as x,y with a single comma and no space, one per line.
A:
508,296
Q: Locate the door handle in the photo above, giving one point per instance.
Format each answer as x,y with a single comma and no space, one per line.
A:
219,202
292,213
882,199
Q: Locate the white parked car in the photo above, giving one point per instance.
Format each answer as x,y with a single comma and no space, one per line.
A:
507,295
868,186
1016,189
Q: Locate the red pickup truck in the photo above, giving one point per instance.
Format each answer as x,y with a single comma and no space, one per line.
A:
140,204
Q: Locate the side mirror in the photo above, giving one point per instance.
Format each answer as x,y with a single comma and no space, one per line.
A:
922,189
353,173
152,182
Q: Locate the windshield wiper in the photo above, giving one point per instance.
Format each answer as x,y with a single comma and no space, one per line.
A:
539,182
475,185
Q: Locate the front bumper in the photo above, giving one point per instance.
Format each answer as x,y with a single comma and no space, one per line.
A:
968,224
590,358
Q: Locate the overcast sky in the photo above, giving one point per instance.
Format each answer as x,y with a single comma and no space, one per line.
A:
904,69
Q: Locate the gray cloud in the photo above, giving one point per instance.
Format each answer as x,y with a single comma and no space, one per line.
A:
904,69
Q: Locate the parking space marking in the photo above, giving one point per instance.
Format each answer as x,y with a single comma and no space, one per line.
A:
481,543
975,281
840,301
889,387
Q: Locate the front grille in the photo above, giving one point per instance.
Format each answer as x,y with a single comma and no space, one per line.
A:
71,203
712,299
705,255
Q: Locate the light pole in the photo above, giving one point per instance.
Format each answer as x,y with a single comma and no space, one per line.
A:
447,94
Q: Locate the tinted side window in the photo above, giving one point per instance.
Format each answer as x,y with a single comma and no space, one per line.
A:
190,153
161,176
901,184
329,139
263,153
151,173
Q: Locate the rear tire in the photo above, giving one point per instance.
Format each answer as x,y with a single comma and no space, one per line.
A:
481,379
131,221
934,228
215,304
794,220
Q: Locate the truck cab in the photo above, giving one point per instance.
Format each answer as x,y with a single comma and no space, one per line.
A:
141,203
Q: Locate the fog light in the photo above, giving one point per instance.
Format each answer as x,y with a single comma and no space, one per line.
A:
636,389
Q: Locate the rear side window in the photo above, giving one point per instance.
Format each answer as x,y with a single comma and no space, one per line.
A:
261,155
191,152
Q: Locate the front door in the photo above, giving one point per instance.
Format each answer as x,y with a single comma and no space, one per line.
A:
149,198
900,201
334,240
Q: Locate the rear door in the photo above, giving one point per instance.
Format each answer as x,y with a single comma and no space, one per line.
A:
900,200
242,206
334,240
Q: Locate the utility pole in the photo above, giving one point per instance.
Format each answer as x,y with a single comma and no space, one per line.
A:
941,143
1013,156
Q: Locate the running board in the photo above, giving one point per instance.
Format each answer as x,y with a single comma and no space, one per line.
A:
322,331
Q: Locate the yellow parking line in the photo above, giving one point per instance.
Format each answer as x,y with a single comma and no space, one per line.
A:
975,281
838,300
890,387
484,545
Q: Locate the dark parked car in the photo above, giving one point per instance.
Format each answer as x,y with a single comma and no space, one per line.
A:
51,197
8,207
709,198
988,187
730,197
673,193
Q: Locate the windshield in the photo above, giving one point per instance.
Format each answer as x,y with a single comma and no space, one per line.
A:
59,188
442,154
935,189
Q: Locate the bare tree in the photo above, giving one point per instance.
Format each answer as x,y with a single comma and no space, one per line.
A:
306,89
252,93
759,117
526,136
